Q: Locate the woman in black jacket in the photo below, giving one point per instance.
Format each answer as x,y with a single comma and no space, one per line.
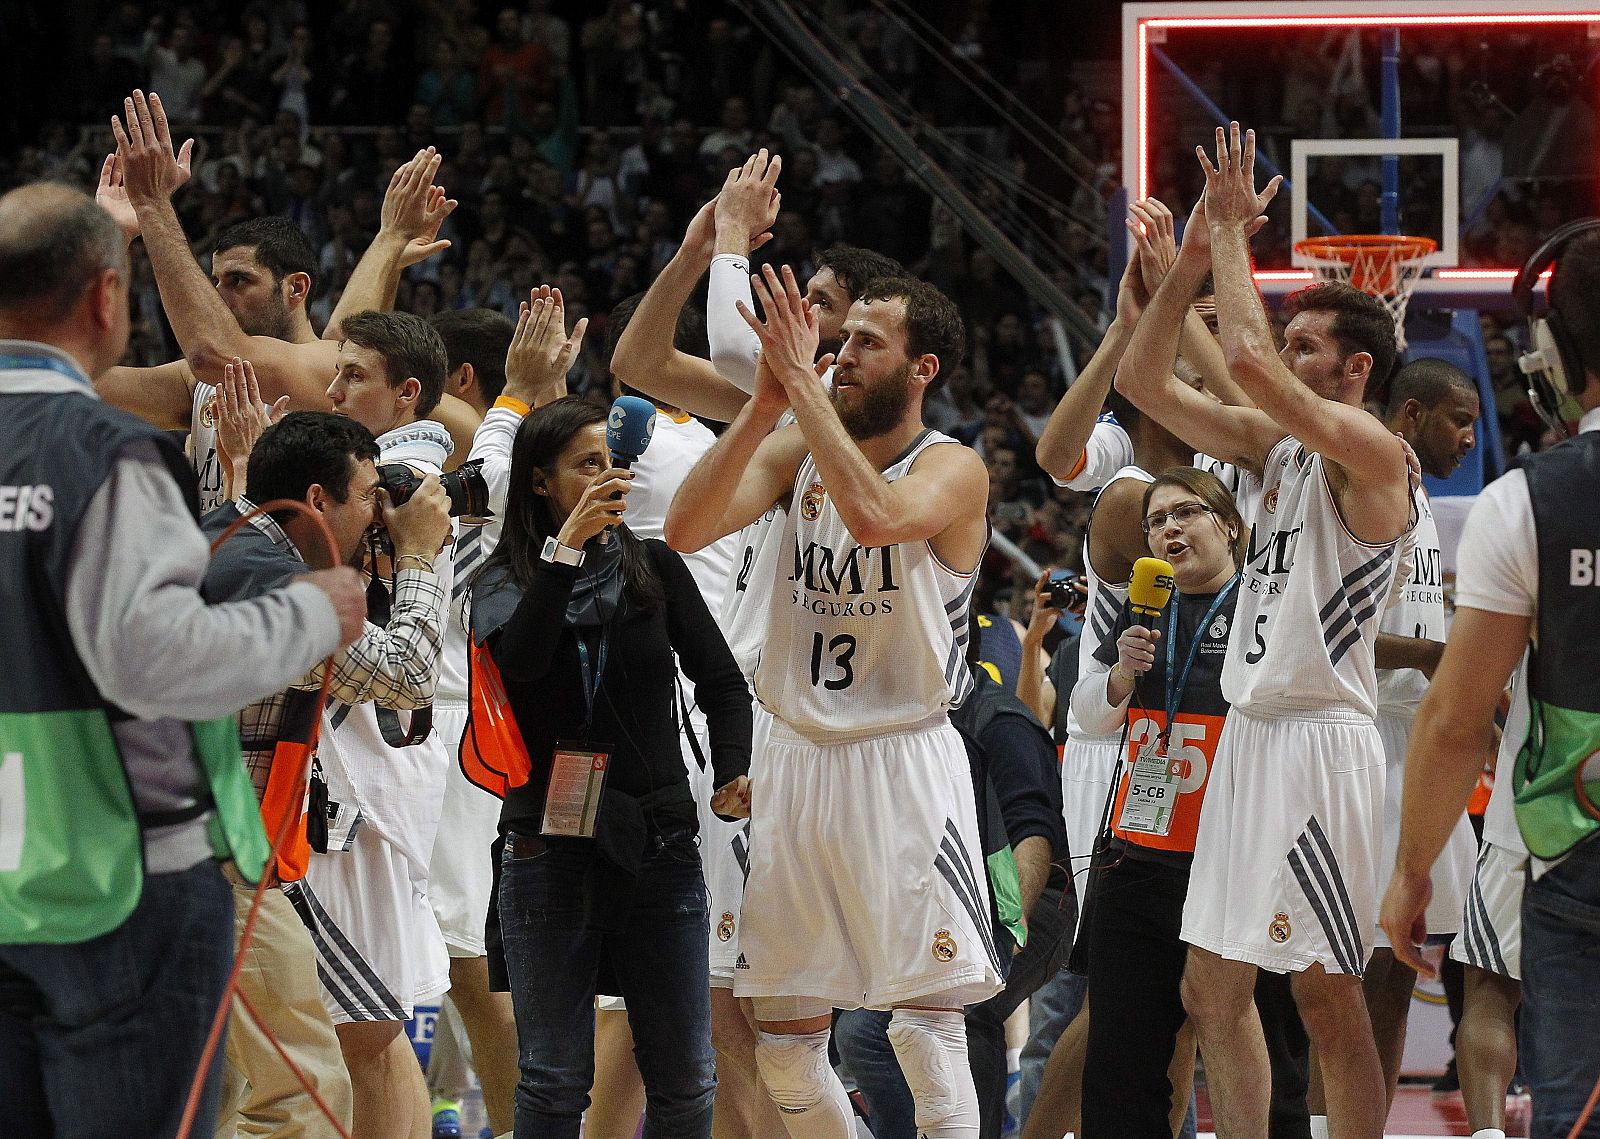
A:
600,882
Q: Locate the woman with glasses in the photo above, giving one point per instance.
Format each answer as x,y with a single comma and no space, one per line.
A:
1160,687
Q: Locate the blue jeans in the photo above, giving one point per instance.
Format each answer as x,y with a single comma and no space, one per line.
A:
1561,992
104,1037
658,959
1050,1010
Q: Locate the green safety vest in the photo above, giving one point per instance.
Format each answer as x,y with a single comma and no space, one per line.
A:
71,839
1557,774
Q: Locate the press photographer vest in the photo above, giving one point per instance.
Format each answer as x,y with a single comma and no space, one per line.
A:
1556,797
71,840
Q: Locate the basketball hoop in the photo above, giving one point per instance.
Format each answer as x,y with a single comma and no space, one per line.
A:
1383,265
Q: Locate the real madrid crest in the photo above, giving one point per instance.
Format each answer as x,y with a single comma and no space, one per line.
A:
1270,502
1219,628
208,411
1280,929
944,946
725,928
811,502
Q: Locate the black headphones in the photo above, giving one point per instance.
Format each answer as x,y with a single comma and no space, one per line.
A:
1552,363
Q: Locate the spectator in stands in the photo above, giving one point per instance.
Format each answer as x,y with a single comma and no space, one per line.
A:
447,88
733,132
513,75
175,72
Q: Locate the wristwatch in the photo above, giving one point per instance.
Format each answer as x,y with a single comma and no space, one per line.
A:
557,554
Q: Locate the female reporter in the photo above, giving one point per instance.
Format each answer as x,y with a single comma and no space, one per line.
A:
581,619
1165,686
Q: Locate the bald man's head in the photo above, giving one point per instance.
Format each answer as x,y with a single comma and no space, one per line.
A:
54,243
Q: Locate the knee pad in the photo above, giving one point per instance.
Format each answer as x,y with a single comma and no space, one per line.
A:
932,1050
795,1068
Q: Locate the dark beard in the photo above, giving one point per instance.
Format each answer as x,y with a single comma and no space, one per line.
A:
274,322
881,408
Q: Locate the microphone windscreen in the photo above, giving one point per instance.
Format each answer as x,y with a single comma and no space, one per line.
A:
1151,586
628,429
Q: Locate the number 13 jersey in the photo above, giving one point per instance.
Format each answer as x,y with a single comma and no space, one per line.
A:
1310,598
863,640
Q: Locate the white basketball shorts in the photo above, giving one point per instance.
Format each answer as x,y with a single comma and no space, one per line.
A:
867,886
1286,860
1088,769
1452,870
725,861
1491,922
461,869
379,949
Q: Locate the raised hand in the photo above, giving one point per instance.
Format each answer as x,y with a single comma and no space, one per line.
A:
150,171
790,334
1151,228
241,418
414,208
112,196
1132,296
1231,197
541,352
748,204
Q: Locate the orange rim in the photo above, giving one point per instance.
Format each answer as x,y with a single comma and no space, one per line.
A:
1373,260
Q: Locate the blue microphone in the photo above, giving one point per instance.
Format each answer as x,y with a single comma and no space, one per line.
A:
629,426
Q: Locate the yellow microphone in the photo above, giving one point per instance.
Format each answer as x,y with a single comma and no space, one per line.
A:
1150,590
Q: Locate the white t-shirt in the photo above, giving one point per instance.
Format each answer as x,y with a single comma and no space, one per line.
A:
1497,570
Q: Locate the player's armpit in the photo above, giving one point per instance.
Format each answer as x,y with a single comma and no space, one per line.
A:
161,396
1115,538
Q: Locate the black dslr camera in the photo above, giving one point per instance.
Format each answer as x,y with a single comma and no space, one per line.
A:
464,487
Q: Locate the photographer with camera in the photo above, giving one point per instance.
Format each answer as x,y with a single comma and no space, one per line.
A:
325,461
379,946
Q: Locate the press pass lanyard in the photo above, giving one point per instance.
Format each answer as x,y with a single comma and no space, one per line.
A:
591,681
1178,682
44,363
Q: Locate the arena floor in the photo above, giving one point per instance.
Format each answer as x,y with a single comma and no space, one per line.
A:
1419,1112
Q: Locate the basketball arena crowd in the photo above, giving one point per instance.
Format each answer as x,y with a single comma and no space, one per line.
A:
529,525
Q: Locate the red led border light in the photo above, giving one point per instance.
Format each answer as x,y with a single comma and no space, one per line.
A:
1463,19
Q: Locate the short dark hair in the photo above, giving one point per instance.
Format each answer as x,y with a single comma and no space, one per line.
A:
1360,323
281,246
1427,381
306,447
409,347
1575,294
480,337
54,241
856,268
688,335
933,323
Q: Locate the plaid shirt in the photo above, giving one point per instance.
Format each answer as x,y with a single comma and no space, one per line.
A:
396,666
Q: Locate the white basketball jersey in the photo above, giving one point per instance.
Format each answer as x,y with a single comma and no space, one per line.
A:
1100,614
1417,609
747,604
1310,599
862,640
203,446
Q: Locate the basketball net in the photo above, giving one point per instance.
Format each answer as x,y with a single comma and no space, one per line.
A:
1382,265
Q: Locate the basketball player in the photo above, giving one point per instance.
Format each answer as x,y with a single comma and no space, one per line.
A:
1433,406
256,309
648,357
1286,860
864,656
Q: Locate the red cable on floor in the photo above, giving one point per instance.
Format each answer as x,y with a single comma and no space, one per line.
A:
218,1022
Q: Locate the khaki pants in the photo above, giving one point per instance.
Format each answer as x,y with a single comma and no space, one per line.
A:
260,1095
